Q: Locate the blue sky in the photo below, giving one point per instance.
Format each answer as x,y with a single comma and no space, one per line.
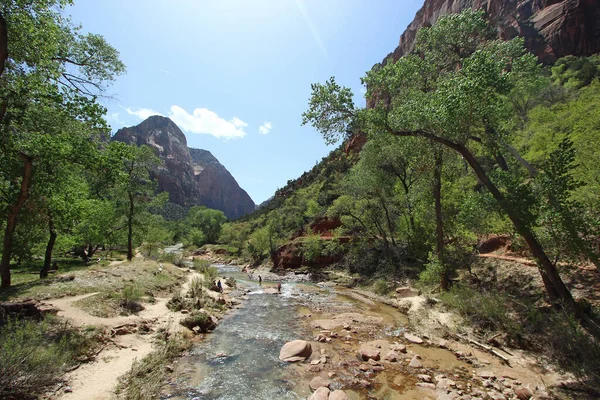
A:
235,75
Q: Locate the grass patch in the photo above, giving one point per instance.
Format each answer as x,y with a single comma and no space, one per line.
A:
143,275
146,377
486,310
382,287
34,355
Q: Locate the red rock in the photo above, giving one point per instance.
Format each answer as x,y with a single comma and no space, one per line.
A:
190,176
524,393
367,354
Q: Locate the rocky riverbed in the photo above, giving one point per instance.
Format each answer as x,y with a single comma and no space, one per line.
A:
359,347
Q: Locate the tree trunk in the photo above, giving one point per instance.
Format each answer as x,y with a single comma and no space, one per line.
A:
130,229
439,222
555,287
11,220
49,248
3,43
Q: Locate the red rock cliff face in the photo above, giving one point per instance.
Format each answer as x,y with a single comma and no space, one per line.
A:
190,176
551,28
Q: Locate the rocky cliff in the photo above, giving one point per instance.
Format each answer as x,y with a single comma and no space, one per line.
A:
551,28
217,188
190,176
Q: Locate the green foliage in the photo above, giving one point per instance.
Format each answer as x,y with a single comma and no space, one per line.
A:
433,272
199,320
34,355
201,265
575,72
208,224
130,297
485,310
382,287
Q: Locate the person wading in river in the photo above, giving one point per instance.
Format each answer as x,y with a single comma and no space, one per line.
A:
260,280
279,287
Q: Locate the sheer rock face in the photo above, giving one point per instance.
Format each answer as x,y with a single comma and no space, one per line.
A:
190,176
551,28
218,189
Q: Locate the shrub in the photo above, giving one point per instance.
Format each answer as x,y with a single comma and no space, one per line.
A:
381,287
34,355
200,320
231,282
201,265
210,275
130,298
486,310
146,377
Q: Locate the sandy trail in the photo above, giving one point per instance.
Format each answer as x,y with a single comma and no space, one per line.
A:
97,380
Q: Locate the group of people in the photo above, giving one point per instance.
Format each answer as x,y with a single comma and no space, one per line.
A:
260,283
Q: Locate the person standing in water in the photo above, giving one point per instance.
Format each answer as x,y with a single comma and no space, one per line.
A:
279,287
260,280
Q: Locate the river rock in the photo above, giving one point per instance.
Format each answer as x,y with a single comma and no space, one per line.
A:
321,393
392,356
367,353
415,363
296,350
338,395
318,382
413,338
524,393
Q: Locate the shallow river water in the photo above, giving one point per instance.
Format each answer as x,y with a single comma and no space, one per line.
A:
250,338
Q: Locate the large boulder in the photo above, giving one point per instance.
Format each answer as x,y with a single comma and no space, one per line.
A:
296,350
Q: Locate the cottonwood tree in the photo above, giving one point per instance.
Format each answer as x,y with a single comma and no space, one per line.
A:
451,92
50,78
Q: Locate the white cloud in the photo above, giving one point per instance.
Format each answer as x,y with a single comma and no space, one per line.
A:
164,71
142,113
116,118
205,121
265,128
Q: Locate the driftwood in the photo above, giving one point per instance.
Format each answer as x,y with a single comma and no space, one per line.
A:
486,348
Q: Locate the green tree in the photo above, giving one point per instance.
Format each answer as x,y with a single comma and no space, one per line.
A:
451,93
50,78
208,221
135,188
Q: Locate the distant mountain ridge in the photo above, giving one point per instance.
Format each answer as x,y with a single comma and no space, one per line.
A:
190,176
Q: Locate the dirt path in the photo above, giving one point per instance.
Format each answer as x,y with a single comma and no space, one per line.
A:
97,380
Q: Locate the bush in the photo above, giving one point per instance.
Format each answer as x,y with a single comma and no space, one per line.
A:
485,310
146,377
199,320
574,350
34,355
130,298
381,287
210,275
201,265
